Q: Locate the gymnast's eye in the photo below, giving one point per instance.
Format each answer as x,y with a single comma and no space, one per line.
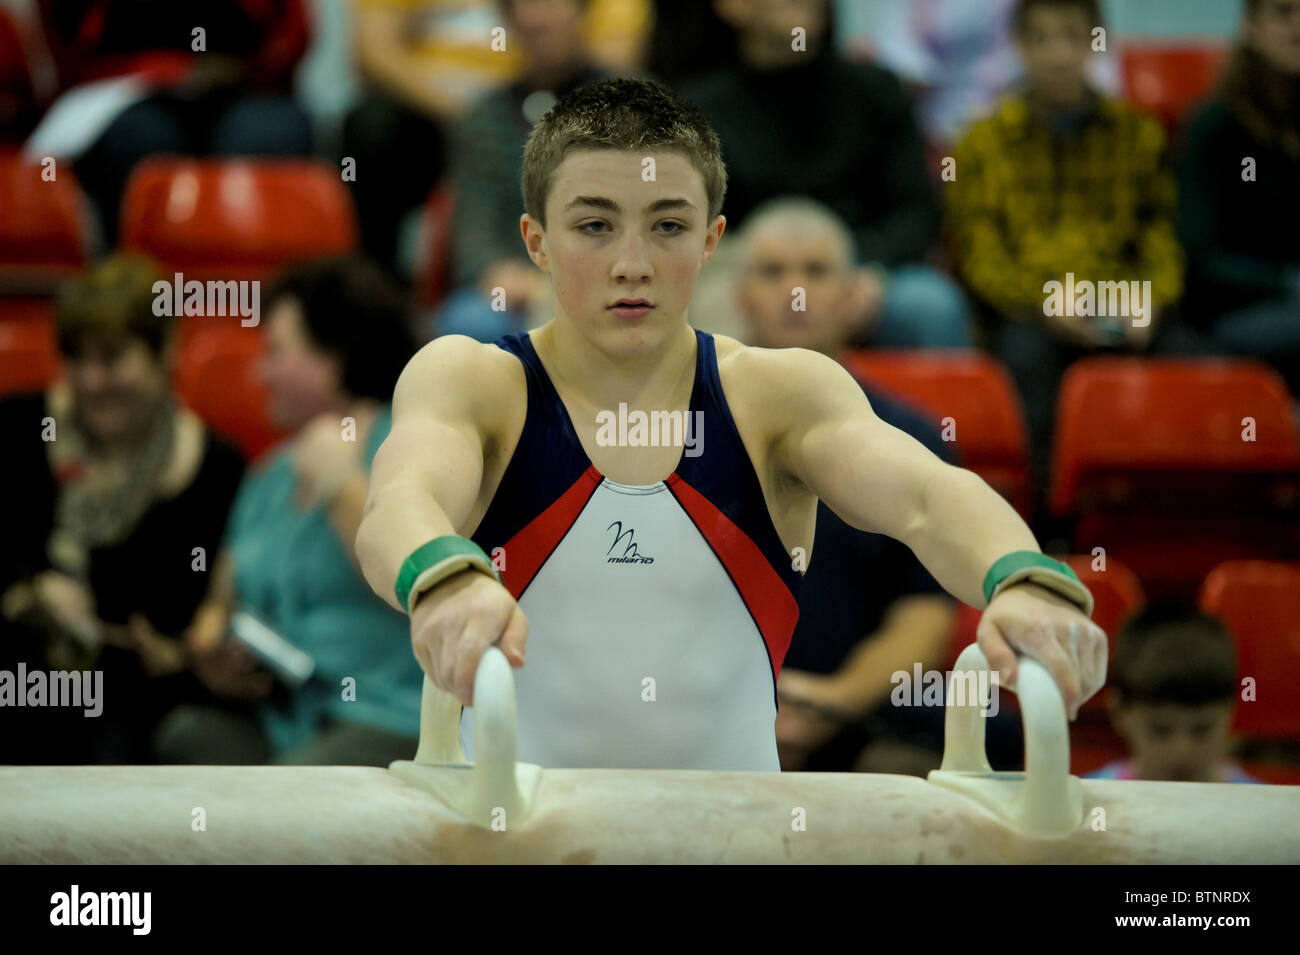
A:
587,225
677,226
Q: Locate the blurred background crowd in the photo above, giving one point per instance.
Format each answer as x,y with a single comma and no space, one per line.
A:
922,168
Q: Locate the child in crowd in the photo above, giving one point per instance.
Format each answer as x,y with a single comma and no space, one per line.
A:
1172,698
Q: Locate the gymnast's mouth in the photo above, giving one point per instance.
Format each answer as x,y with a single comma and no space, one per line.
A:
631,308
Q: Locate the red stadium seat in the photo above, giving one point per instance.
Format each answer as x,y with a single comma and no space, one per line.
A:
1166,80
29,355
1259,602
439,210
972,389
43,226
236,219
1151,461
216,375
44,236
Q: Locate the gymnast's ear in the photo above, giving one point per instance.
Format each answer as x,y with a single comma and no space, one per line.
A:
712,237
535,241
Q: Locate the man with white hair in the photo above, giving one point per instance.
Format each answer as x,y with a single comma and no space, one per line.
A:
797,286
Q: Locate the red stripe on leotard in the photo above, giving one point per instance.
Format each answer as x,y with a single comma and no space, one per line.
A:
764,593
529,549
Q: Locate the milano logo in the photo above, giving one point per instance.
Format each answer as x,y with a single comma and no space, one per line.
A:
629,554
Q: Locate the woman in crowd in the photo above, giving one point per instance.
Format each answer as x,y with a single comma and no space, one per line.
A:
118,499
338,336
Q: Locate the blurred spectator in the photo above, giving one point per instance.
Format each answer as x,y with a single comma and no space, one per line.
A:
810,122
487,249
113,489
1239,197
617,34
957,55
689,39
1172,698
338,339
140,78
1062,184
423,62
867,607
427,62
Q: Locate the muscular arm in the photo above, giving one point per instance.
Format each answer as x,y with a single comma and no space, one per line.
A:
426,475
823,433
877,478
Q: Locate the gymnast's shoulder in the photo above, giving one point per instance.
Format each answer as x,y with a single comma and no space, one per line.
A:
782,378
457,377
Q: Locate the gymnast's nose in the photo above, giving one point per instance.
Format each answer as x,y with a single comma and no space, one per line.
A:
633,263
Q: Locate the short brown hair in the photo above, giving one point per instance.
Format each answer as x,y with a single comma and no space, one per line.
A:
112,300
1020,18
352,310
621,114
1171,653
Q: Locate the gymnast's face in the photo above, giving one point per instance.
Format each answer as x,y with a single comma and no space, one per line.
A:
778,262
1173,742
612,235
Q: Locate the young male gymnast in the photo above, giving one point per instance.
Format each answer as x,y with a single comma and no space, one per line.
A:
652,573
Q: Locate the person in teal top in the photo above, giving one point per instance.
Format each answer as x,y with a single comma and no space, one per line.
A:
292,572
337,338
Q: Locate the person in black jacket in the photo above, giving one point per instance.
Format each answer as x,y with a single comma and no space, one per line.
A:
1239,199
118,500
796,117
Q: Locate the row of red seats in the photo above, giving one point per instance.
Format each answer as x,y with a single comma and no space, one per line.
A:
218,219
207,219
1170,465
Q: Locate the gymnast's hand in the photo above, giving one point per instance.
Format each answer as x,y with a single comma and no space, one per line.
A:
1029,619
456,621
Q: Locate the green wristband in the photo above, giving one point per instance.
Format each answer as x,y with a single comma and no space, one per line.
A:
1039,569
436,561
